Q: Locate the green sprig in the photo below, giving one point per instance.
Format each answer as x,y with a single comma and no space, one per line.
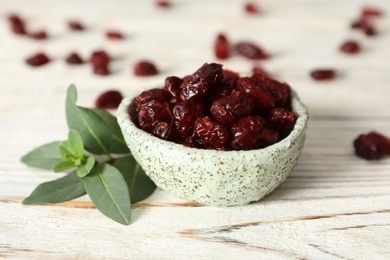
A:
112,183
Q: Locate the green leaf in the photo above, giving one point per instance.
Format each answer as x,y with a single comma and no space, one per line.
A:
44,157
63,166
86,168
117,144
76,145
92,129
63,189
139,184
64,150
108,191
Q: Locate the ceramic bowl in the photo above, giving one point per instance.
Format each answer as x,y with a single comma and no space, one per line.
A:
211,177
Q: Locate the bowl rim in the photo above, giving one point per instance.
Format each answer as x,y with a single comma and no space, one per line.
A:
126,124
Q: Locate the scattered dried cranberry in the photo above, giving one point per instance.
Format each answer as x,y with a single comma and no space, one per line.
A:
211,134
184,115
76,25
222,47
323,74
251,51
74,58
350,47
100,57
38,59
145,68
17,24
101,70
114,35
151,113
40,35
246,133
372,146
109,100
369,11
157,94
163,4
251,8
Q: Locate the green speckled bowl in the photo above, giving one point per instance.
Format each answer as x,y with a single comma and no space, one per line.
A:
211,177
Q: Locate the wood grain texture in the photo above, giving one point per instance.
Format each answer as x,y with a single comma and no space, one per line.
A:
332,206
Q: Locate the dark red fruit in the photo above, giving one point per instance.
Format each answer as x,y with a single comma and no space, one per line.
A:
76,25
221,47
163,4
262,99
280,92
282,120
101,69
114,35
227,110
74,58
251,51
365,24
184,115
372,146
157,94
268,136
227,85
205,79
100,57
261,71
17,24
145,68
40,35
151,113
172,85
251,8
164,131
38,59
369,11
350,47
212,135
246,133
109,100
323,74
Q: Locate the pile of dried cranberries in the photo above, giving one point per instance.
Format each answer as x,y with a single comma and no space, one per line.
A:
217,109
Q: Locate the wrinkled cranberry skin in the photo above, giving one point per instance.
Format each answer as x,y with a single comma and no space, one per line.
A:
145,68
172,85
157,94
227,109
282,120
212,135
37,60
251,8
164,131
184,116
203,80
251,51
222,47
280,92
372,146
151,113
74,58
17,24
76,25
40,35
350,47
109,100
100,57
268,136
114,35
227,85
262,99
323,74
246,133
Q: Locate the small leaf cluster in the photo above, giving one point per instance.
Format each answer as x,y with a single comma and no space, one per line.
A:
96,161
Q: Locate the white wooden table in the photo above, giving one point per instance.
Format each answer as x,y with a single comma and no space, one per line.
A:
333,205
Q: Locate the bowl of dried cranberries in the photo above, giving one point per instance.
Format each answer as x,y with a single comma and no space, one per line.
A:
216,137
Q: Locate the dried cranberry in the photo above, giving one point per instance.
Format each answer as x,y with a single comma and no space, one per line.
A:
164,131
282,120
184,115
323,74
372,146
17,24
246,133
203,80
157,94
369,11
267,137
40,35
365,24
221,47
227,85
262,99
251,51
76,25
100,57
145,68
212,135
227,110
172,85
230,74
280,92
163,4
114,35
38,59
350,47
261,71
74,58
251,8
369,29
109,100
101,69
151,113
